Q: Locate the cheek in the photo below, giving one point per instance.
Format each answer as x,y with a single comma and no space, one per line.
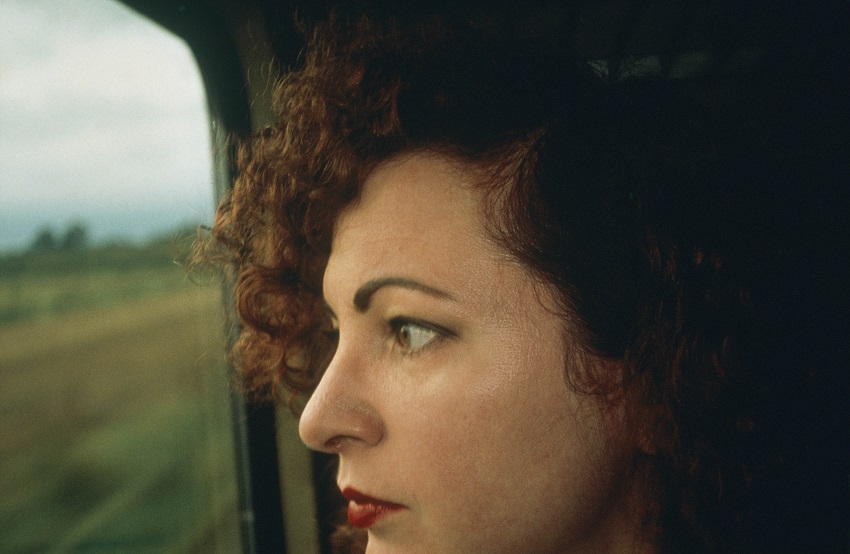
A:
498,443
483,424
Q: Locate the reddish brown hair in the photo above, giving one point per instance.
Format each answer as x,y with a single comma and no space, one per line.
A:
618,196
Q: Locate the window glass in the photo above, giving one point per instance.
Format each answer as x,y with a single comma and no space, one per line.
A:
115,417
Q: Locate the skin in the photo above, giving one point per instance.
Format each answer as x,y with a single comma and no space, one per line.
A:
447,392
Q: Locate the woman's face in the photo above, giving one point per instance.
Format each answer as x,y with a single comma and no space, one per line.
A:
446,400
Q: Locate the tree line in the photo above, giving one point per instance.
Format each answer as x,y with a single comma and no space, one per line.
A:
75,237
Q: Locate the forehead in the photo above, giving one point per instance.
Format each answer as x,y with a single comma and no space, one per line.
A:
417,197
416,213
418,183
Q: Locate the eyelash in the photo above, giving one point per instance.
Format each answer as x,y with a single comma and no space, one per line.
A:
398,324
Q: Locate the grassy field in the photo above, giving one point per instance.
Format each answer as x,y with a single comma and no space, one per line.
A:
115,429
41,284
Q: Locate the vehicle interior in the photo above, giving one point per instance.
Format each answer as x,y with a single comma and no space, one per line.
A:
746,55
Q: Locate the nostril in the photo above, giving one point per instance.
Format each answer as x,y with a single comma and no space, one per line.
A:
334,444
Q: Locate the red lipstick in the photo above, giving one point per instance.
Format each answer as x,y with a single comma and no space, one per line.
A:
363,510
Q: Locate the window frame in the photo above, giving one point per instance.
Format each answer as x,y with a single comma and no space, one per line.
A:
238,67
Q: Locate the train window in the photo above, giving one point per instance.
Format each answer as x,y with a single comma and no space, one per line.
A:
116,428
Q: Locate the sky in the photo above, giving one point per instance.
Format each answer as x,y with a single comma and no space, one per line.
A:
103,121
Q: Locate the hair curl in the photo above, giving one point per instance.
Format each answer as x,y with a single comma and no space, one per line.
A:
620,196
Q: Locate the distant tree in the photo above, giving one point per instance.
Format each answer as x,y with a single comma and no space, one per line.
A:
44,240
76,237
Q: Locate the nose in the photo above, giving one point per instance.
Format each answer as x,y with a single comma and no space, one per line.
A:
340,415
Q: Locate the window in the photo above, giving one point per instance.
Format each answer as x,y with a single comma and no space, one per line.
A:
116,430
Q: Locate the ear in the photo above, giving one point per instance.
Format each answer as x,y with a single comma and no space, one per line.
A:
646,442
644,414
648,431
640,417
626,405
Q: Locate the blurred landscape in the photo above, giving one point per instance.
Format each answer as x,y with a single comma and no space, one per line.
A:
115,420
57,275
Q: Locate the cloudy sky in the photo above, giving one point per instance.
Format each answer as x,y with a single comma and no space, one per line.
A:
102,121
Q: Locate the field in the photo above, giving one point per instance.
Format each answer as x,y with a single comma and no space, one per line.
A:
115,426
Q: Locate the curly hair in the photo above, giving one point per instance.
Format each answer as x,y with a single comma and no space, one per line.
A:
620,196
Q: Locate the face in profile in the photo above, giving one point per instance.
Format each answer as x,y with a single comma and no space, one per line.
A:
446,399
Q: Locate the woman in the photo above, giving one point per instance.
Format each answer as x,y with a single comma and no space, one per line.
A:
518,298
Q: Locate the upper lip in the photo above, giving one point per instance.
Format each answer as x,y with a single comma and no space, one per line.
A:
352,494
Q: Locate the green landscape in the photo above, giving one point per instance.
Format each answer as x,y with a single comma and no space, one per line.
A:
115,419
48,279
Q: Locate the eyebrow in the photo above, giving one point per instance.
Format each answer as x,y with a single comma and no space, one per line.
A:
364,294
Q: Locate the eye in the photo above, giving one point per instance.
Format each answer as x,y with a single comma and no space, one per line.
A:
412,336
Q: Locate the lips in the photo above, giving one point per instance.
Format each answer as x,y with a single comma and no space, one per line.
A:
364,510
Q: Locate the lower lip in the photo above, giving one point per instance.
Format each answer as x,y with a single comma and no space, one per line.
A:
368,513
365,511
